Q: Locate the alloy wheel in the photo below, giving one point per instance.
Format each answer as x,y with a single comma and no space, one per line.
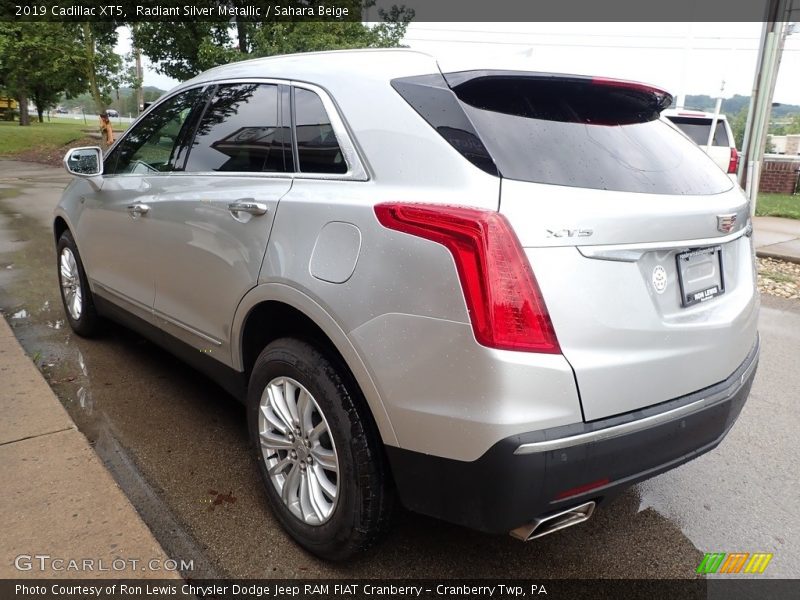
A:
298,450
71,283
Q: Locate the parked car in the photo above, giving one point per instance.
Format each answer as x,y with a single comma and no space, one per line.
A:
62,111
112,113
500,297
697,125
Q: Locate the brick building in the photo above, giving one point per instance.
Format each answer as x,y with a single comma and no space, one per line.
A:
779,174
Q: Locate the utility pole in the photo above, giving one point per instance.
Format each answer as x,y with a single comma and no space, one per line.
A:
139,73
713,131
773,35
687,50
139,80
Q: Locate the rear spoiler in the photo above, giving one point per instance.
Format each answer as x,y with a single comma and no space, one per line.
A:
640,96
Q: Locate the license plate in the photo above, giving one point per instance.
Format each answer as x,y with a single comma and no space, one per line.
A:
700,275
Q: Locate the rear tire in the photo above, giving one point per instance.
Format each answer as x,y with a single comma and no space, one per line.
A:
318,451
75,293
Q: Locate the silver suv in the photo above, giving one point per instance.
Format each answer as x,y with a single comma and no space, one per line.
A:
500,297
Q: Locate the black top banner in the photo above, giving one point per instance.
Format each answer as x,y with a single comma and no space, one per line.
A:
379,10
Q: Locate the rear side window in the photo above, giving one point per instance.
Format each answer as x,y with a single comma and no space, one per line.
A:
698,129
241,131
318,150
574,131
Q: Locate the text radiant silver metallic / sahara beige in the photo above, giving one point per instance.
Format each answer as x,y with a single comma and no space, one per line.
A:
496,296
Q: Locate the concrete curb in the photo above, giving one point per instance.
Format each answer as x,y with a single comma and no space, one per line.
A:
59,500
777,237
778,256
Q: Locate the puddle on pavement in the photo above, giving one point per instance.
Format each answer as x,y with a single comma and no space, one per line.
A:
30,300
178,447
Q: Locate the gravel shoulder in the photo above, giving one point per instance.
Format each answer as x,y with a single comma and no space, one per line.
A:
779,278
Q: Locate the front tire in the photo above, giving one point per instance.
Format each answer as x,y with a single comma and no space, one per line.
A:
317,449
75,293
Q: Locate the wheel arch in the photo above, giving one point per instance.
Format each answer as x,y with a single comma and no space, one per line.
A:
270,311
60,225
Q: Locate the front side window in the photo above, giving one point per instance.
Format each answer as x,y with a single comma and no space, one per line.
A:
318,149
154,144
240,131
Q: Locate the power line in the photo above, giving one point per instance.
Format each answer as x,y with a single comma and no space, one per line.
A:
613,35
557,44
578,45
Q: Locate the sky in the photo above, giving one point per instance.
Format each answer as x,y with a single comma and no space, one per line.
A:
690,58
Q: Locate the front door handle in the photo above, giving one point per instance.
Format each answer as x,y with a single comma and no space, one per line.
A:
248,206
138,209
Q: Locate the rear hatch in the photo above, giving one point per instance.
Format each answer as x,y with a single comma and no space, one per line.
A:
639,243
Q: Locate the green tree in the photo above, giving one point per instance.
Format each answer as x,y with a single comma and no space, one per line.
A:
39,62
311,36
102,65
777,129
182,50
738,123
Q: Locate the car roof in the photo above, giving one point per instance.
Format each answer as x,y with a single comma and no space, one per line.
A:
313,66
333,68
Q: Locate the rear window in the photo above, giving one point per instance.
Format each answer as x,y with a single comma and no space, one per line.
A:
582,134
698,129
565,130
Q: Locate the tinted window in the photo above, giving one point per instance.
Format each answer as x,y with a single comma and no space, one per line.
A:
564,99
431,97
698,129
240,131
317,148
154,144
581,134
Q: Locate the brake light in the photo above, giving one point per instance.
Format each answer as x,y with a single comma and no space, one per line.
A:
662,97
733,164
631,85
505,305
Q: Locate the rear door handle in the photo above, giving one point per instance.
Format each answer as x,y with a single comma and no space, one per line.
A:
138,209
248,205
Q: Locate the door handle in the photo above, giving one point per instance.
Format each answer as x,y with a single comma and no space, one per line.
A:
138,209
248,205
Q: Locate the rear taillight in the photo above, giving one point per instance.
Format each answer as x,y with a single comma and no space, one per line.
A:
733,163
505,306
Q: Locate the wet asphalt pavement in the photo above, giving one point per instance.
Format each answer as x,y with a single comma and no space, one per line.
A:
177,445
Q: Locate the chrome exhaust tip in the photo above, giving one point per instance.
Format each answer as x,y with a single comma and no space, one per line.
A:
551,523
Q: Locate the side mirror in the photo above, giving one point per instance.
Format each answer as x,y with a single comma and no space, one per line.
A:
84,162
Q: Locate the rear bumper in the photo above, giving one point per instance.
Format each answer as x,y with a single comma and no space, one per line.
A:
529,475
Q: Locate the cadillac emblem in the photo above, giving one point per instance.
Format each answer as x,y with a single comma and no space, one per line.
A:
725,223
